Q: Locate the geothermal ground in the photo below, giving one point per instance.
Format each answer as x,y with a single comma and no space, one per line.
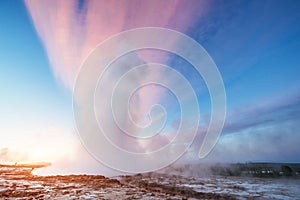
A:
145,186
93,187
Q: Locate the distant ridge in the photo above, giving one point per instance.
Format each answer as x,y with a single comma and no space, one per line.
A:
26,165
253,169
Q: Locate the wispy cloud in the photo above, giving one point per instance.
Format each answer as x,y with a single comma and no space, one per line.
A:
267,131
273,110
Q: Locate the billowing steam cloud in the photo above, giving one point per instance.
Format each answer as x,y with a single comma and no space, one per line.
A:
71,29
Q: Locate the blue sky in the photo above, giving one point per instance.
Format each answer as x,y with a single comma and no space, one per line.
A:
27,84
32,103
255,44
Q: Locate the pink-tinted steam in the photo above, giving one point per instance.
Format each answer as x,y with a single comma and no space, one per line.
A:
70,35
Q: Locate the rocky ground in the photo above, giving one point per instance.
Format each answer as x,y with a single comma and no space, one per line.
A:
219,187
142,186
26,186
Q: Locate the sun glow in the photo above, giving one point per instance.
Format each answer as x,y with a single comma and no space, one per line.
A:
42,148
51,151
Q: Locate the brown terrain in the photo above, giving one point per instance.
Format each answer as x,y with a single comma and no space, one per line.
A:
19,183
22,184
